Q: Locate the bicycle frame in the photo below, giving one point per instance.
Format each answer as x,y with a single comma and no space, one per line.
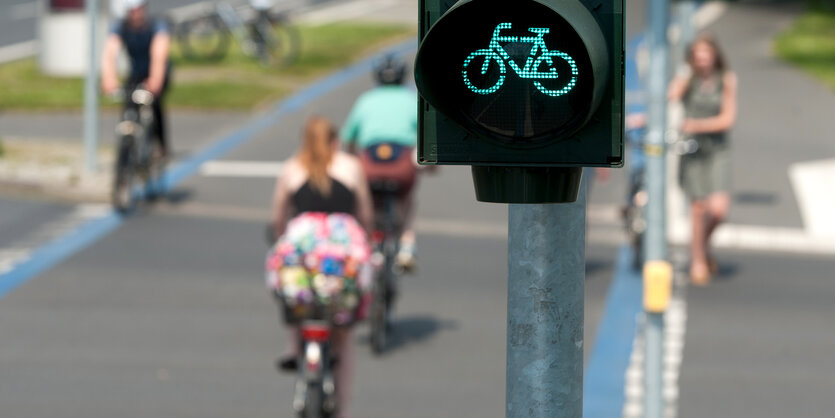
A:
538,41
538,54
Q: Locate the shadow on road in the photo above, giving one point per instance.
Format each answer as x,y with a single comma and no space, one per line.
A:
178,196
415,329
593,266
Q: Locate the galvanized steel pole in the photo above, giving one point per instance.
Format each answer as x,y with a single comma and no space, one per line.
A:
655,241
91,92
546,273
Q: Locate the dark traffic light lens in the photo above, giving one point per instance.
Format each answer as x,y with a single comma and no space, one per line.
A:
519,72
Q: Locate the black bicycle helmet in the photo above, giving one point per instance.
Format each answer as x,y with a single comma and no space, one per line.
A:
390,71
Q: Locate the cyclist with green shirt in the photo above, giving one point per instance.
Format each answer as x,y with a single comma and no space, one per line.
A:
382,130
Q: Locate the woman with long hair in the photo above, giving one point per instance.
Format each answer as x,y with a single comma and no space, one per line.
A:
322,212
709,96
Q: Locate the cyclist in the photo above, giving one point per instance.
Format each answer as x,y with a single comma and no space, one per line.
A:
321,180
382,129
147,43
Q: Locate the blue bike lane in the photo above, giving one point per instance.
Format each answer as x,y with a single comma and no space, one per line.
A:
606,368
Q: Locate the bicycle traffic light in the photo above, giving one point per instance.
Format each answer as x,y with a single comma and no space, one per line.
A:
525,91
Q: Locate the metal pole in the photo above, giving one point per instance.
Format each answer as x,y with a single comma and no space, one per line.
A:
91,92
655,244
546,273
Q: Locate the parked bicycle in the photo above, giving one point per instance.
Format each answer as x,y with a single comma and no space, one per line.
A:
534,64
269,37
139,158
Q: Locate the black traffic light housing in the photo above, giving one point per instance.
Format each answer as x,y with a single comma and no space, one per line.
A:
525,91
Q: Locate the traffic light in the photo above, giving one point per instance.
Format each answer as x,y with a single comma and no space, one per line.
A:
525,91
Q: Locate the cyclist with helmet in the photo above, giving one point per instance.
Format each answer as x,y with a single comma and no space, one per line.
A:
382,129
147,43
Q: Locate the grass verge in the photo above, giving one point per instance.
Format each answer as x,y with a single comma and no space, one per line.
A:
236,82
810,43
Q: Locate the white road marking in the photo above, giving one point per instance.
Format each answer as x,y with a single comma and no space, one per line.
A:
815,192
23,11
241,169
18,51
709,13
675,325
345,11
731,236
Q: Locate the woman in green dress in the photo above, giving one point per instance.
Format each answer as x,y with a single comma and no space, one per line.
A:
709,96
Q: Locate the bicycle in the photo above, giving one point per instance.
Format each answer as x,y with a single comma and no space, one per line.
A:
264,35
315,390
386,242
498,54
138,155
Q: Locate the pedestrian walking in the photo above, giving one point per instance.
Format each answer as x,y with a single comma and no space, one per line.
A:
708,92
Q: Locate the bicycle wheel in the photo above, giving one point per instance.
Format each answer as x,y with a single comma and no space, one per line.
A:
490,78
552,58
379,313
314,402
154,184
124,177
204,39
279,45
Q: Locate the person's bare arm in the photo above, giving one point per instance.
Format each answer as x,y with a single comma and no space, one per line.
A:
109,75
727,114
160,48
677,88
281,202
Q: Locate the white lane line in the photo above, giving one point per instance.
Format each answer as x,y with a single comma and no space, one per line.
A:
675,327
345,11
815,192
11,257
731,236
709,13
23,11
18,51
241,169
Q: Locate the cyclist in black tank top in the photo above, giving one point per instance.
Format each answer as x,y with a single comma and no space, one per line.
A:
340,200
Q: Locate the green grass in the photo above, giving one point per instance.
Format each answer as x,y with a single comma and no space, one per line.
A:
810,44
236,82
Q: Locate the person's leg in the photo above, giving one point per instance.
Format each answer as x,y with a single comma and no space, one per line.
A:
699,272
344,370
408,238
717,207
160,126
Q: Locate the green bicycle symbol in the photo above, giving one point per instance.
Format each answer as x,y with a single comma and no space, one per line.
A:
497,53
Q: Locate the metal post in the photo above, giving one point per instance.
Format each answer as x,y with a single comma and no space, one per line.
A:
546,273
91,92
655,244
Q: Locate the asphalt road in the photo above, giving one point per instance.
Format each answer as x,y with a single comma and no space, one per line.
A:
168,316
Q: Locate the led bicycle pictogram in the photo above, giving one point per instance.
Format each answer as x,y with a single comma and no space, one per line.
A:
531,70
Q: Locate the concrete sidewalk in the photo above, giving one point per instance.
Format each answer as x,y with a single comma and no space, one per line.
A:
758,341
65,178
